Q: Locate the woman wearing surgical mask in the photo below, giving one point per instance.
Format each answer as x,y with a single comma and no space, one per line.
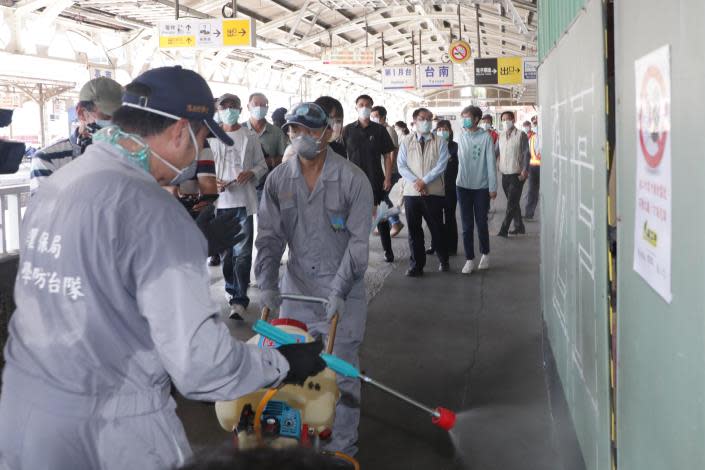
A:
335,119
401,128
450,226
476,186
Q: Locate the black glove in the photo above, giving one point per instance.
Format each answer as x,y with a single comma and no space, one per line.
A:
220,231
304,361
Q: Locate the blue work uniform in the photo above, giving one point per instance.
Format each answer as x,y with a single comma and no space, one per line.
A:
327,231
113,305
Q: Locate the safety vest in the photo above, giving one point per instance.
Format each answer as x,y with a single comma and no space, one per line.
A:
535,153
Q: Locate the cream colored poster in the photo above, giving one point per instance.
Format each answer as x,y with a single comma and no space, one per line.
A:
652,221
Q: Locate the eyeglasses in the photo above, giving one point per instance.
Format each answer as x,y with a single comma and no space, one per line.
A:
308,110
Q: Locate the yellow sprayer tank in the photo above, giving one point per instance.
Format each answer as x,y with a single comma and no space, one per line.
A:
315,400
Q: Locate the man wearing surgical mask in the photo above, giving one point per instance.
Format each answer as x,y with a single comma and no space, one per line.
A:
113,299
273,143
238,168
514,159
368,145
271,137
422,161
98,100
319,204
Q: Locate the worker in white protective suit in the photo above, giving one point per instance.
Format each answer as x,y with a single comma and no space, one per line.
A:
113,301
319,204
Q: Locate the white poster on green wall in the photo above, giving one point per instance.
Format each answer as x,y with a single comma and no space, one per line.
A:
652,222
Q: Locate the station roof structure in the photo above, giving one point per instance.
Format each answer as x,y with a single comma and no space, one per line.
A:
292,35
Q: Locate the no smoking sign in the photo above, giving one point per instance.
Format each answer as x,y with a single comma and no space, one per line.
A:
459,52
653,116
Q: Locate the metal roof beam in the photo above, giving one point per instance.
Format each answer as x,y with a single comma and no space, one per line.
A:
350,26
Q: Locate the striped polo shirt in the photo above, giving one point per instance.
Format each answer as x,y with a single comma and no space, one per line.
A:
49,159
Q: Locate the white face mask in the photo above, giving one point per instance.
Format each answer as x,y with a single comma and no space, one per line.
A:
188,171
424,127
183,174
508,125
374,119
364,112
527,129
259,112
484,125
337,128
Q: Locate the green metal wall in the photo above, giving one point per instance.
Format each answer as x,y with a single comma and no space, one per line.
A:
555,16
574,226
661,346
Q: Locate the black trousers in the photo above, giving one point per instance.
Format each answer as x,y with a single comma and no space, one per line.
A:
385,237
430,209
532,198
512,187
474,206
450,223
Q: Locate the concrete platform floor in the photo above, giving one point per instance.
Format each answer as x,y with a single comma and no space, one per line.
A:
468,343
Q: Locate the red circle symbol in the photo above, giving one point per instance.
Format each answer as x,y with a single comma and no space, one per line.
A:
652,110
459,52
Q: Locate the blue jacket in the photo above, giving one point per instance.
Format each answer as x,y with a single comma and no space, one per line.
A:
476,158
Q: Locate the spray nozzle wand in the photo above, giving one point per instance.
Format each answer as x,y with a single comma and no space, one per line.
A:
441,417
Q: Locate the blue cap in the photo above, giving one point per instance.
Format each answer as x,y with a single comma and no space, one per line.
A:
177,93
308,115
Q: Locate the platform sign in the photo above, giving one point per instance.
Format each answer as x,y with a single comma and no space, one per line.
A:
436,75
238,33
459,52
485,71
349,56
207,34
10,100
513,70
399,77
96,71
509,70
531,70
653,208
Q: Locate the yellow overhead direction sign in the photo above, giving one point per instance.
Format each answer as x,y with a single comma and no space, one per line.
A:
207,34
509,70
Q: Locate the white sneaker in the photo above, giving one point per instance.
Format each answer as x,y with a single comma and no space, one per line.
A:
484,262
236,312
469,266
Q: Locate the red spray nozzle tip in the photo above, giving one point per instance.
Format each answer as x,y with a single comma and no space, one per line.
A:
445,419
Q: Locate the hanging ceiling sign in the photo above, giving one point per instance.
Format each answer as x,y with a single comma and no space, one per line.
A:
207,34
531,68
513,70
96,71
436,75
349,57
485,71
399,77
509,70
459,52
9,100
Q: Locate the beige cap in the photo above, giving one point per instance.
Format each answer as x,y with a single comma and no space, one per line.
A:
104,92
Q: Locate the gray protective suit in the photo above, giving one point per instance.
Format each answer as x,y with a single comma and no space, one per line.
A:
328,233
113,304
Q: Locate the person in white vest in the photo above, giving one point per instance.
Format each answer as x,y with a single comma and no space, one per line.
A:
514,165
422,161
